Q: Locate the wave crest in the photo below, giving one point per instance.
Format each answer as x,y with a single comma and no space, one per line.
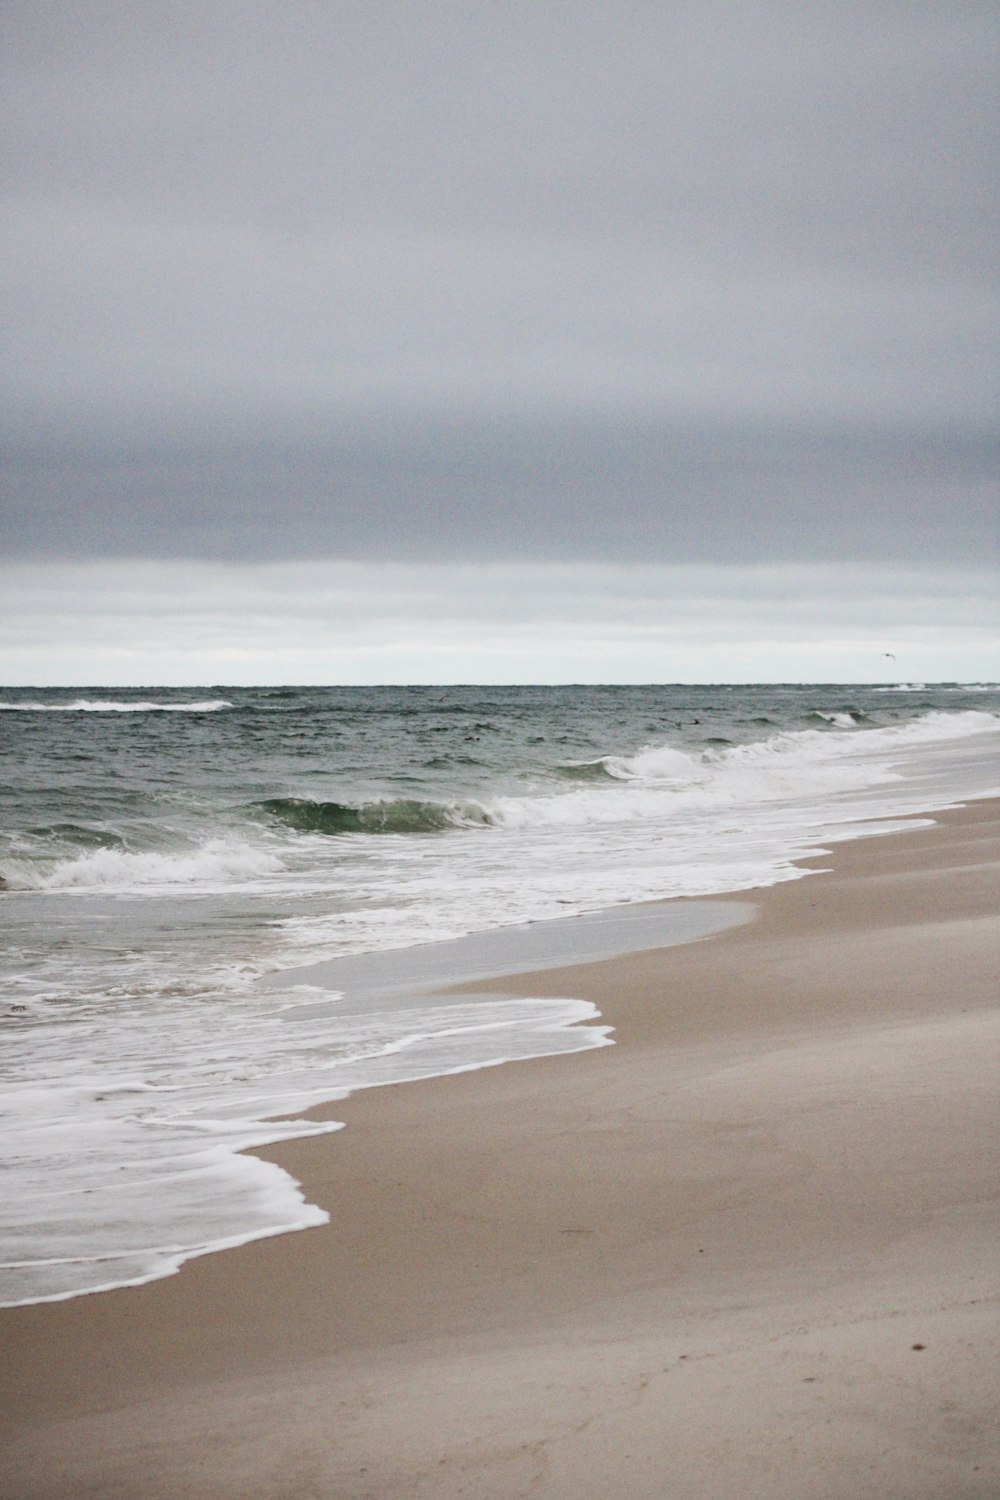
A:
654,763
842,719
117,706
391,815
584,770
216,862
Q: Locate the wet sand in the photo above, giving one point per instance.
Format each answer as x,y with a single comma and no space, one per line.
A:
749,1251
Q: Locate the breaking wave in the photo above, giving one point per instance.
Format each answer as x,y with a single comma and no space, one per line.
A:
117,706
584,770
644,785
656,763
794,762
81,835
392,815
846,719
651,786
216,862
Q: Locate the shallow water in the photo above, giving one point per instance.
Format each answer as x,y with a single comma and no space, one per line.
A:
176,863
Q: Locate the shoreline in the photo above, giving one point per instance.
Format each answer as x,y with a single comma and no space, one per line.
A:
695,1263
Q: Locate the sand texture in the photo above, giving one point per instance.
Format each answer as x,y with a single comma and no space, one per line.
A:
751,1250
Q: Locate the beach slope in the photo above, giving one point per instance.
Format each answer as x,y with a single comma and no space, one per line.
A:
749,1251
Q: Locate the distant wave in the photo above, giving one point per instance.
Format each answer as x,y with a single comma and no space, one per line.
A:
393,815
117,706
939,687
621,788
791,763
842,720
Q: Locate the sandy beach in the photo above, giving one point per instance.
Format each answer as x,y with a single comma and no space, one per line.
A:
749,1251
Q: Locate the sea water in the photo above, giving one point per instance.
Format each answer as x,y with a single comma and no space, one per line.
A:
220,906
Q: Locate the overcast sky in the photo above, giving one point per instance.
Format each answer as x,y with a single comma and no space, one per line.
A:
677,313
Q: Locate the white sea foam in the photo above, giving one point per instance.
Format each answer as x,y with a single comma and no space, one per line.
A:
735,819
216,863
839,720
661,780
175,1132
656,763
939,688
117,706
133,1084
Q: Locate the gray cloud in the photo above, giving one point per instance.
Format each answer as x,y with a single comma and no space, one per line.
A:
685,281
514,488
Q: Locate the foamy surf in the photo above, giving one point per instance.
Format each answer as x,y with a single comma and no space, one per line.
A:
115,706
215,864
155,870
182,1185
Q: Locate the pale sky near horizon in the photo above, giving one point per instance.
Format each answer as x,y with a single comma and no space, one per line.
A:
368,341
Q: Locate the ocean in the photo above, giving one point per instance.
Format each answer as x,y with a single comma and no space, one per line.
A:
222,906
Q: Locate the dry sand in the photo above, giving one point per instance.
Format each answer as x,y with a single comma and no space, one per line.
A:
750,1251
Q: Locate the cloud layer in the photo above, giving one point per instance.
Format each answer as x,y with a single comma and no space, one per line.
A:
706,283
85,623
